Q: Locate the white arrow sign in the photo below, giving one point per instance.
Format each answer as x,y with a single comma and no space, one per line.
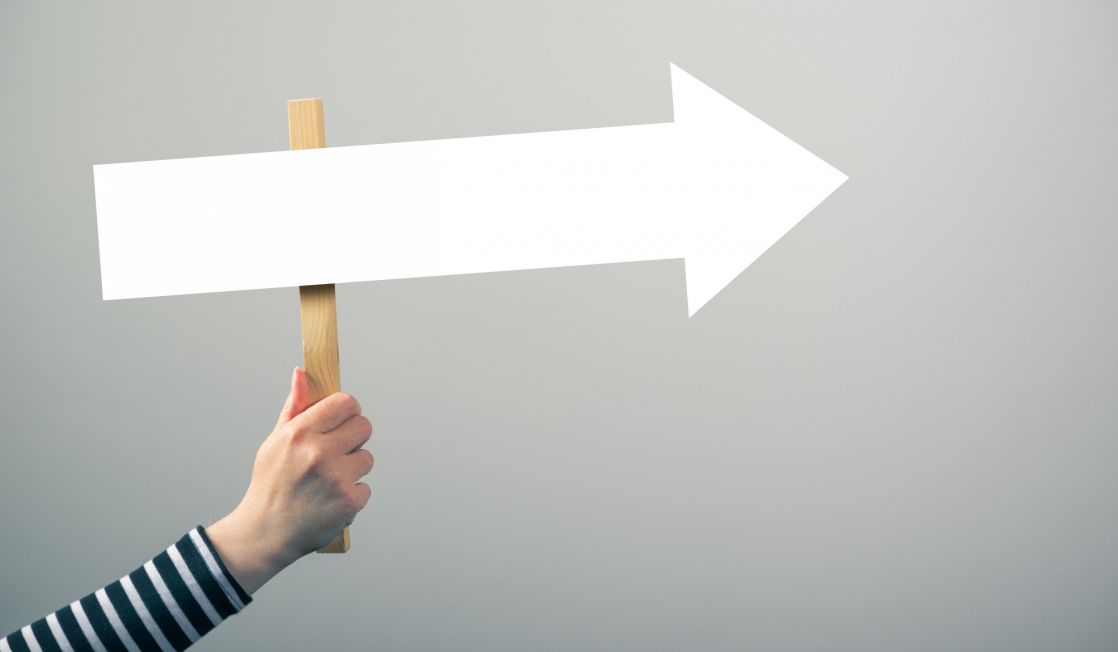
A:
716,187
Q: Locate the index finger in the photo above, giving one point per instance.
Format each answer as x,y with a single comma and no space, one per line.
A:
328,413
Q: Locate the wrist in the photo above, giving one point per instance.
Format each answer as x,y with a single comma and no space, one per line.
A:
251,555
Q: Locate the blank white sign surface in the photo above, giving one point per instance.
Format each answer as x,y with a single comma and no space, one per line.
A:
716,187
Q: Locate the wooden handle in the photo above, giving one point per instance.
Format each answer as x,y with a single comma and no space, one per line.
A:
317,308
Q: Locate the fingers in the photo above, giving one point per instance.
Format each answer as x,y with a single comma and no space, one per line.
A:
358,463
297,397
328,413
350,435
358,498
362,494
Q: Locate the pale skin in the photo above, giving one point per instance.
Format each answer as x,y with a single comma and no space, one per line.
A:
305,487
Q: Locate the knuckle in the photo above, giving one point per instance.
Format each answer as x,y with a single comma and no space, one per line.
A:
294,435
315,455
348,403
358,497
367,460
352,500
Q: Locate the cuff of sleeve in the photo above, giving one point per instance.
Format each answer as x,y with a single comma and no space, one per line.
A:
224,579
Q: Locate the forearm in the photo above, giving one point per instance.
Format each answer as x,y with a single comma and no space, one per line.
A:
167,603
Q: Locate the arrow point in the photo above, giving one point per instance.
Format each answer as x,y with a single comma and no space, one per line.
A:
759,184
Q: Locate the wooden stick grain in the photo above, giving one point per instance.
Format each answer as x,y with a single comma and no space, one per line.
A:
317,305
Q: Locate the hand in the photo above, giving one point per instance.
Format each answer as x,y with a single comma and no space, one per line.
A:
304,487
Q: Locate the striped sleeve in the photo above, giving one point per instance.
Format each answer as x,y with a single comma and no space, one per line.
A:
166,604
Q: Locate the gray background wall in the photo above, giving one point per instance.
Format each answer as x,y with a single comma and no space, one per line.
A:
895,431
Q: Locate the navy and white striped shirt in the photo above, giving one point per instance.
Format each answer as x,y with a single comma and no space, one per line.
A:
166,604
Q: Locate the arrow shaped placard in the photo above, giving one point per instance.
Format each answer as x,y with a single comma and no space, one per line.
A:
716,187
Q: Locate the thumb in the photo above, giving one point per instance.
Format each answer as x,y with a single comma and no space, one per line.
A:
297,398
